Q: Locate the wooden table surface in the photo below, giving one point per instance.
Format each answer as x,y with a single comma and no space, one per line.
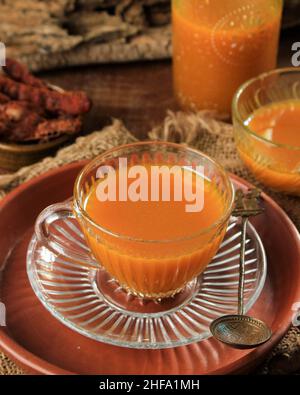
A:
138,93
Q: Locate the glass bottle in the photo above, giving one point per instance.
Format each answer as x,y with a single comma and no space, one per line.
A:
218,45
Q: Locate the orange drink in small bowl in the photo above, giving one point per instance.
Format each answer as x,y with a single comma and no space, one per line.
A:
266,117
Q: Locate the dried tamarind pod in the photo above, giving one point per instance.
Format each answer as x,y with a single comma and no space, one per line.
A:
71,103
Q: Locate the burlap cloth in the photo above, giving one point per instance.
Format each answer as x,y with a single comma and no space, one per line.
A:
197,130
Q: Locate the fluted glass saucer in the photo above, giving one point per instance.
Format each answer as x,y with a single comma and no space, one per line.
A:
93,304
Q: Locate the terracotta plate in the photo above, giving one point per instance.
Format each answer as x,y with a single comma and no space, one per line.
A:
41,344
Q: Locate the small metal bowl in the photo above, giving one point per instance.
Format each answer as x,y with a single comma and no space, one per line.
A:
14,156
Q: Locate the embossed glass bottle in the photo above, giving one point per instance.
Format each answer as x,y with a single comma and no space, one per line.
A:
218,45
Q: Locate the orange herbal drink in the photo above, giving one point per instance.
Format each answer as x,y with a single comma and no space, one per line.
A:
267,129
218,45
278,123
151,241
161,268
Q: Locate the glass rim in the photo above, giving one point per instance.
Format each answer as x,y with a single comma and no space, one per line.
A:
82,212
241,90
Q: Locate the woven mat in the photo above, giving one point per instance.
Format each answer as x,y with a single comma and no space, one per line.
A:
197,130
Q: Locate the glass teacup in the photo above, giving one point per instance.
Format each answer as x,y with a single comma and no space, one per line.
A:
144,265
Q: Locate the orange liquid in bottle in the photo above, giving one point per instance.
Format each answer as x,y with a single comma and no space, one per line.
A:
277,166
218,45
155,269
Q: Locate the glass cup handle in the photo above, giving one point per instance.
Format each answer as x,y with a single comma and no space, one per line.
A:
57,239
50,215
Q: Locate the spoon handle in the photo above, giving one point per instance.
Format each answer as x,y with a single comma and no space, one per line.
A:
242,267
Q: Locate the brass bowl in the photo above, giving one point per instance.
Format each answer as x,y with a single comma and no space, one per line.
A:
14,156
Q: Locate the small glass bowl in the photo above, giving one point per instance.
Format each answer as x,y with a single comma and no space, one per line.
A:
275,165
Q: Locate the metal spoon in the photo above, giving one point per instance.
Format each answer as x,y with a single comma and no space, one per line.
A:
239,330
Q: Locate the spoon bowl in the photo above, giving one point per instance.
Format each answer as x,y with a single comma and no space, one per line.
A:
240,331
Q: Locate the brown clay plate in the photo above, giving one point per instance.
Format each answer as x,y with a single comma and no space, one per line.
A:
41,344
